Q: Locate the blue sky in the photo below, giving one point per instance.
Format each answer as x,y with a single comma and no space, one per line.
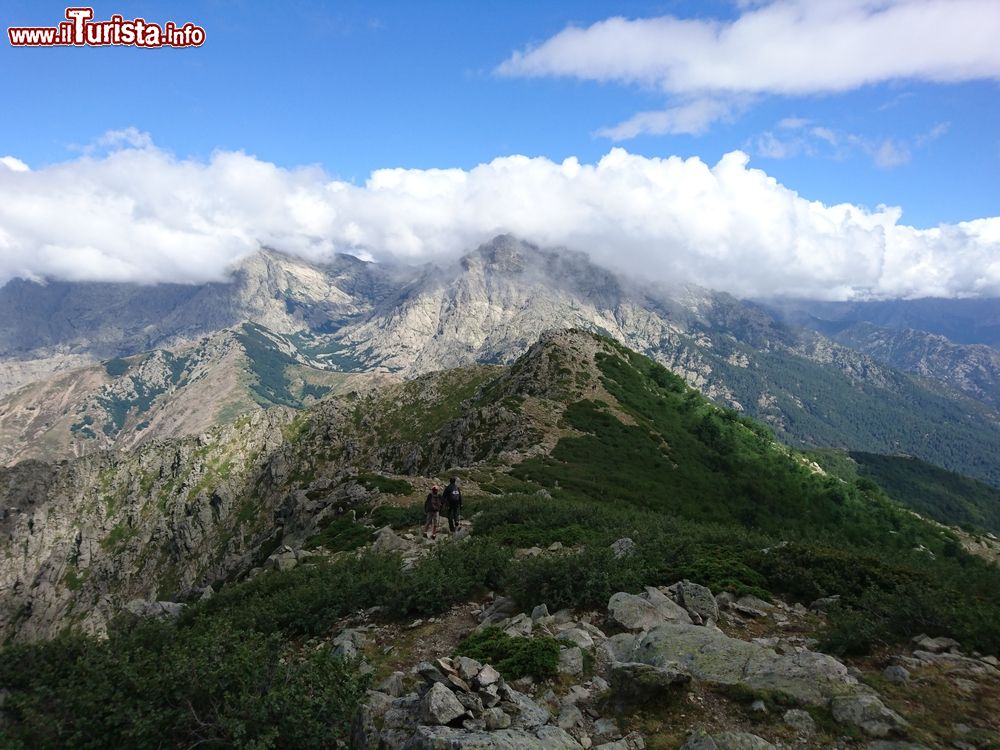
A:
354,87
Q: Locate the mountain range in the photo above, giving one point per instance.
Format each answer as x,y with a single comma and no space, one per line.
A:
282,331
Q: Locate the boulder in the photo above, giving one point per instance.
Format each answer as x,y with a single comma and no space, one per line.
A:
800,721
544,738
697,599
467,668
430,673
570,661
726,741
386,541
896,674
539,612
440,706
495,719
487,676
645,611
634,681
751,606
934,645
392,685
712,656
623,548
866,712
348,644
570,716
825,604
578,637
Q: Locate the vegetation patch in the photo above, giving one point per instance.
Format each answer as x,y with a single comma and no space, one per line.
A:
512,657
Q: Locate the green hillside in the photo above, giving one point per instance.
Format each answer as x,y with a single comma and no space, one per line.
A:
704,493
930,490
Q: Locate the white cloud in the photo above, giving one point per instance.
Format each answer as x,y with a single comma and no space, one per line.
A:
141,214
13,164
786,47
691,118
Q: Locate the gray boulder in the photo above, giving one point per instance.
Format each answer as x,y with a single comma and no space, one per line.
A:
634,681
623,548
800,721
386,541
392,685
447,738
698,600
896,674
867,712
495,719
726,741
712,656
570,661
440,706
645,611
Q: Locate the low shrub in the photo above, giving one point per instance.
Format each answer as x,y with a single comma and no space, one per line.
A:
512,657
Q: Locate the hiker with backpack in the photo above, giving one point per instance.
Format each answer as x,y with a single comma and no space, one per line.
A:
432,507
453,499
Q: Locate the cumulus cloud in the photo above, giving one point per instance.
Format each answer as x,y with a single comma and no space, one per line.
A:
141,214
787,47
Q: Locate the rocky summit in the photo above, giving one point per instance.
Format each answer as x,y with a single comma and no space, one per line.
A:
633,566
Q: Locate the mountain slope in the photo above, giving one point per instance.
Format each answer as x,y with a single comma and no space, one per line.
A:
973,369
124,402
577,414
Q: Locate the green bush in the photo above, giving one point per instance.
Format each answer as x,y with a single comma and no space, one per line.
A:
512,657
162,686
385,485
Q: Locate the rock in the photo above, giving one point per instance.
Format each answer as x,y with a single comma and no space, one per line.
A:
392,685
431,673
896,674
635,682
570,661
459,684
577,636
867,712
934,645
487,676
825,604
490,695
539,612
495,719
645,611
439,738
529,715
607,728
569,717
555,547
890,745
725,600
726,741
800,721
386,540
440,706
758,707
697,599
714,657
622,646
348,644
623,547
281,560
467,668
145,609
751,606
364,727
501,608
991,660
472,703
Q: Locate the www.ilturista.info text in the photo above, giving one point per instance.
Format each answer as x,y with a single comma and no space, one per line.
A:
80,30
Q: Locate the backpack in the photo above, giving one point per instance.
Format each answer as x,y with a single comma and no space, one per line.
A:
432,504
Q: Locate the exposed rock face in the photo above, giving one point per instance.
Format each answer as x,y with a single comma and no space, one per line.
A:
726,741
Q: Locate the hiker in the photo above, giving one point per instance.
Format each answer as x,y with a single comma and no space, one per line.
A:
453,499
432,506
